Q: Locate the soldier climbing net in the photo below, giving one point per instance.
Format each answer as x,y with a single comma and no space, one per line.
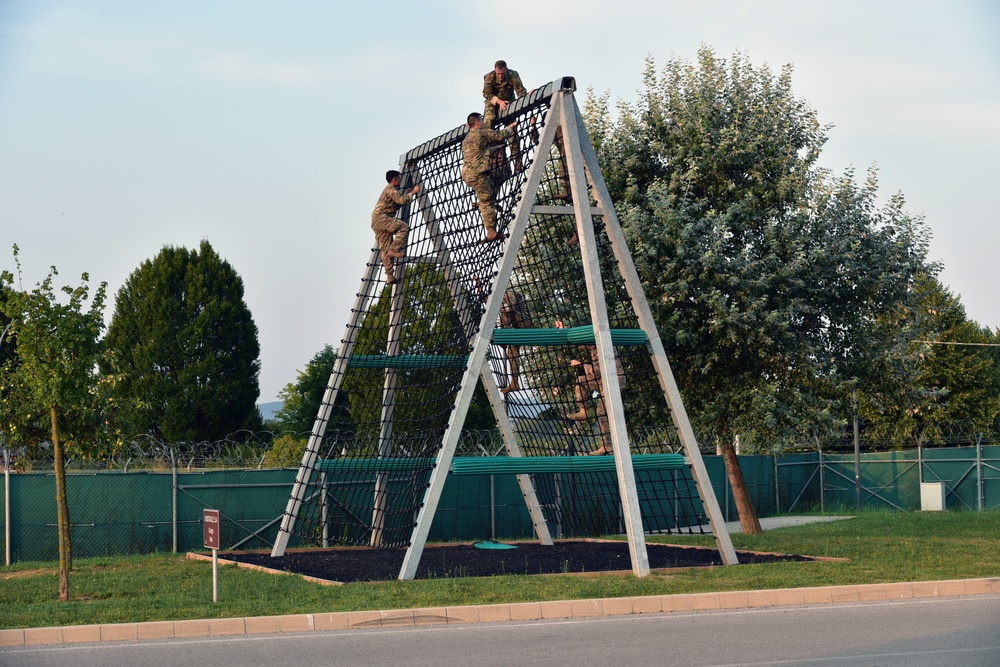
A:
397,391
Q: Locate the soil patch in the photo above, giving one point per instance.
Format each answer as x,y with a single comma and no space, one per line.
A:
464,560
23,574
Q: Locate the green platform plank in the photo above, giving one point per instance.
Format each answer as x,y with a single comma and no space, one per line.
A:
518,465
505,465
575,336
408,361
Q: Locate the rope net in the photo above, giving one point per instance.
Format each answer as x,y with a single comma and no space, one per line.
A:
394,386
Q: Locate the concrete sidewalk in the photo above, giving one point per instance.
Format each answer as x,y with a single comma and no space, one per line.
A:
772,522
520,611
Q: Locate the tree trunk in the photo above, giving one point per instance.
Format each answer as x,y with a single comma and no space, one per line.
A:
744,504
62,507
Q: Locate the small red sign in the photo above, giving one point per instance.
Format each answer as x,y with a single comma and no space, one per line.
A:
213,538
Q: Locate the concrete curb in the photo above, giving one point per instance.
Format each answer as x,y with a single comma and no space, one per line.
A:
516,611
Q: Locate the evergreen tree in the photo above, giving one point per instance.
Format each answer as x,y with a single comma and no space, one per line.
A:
186,344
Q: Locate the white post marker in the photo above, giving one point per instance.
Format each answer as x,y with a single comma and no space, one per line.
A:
213,540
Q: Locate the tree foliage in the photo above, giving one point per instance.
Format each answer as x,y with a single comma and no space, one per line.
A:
774,284
187,346
301,399
52,390
946,384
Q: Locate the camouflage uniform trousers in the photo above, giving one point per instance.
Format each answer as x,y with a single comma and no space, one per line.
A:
385,228
588,382
489,118
482,185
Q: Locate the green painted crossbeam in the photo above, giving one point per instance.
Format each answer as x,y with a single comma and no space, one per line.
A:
408,361
519,465
574,336
537,337
505,465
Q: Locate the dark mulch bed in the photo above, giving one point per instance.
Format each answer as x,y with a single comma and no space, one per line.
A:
462,560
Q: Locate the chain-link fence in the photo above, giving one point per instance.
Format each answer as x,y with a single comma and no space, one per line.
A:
890,474
150,495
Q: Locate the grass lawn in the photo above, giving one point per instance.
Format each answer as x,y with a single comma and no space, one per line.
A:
882,546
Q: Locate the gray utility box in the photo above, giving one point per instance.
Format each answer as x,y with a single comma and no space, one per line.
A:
932,496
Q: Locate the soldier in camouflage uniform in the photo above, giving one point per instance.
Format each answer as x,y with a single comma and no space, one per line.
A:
501,86
514,315
385,224
588,381
476,165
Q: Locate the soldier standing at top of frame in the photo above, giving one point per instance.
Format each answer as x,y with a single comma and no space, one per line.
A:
501,86
476,167
385,224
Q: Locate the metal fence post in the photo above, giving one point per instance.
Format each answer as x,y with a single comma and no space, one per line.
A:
822,481
493,507
857,453
979,471
920,459
173,470
777,490
6,505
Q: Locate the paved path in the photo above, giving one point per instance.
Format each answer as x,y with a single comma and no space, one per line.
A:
912,632
521,611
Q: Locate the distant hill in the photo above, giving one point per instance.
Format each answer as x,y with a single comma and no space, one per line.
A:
268,410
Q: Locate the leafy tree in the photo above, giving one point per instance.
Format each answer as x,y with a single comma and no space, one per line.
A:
53,389
947,384
301,399
769,278
187,346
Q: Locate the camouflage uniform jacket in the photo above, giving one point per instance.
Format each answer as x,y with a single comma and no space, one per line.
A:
476,150
504,90
513,311
389,202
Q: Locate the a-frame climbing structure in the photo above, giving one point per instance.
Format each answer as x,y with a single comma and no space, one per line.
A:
552,320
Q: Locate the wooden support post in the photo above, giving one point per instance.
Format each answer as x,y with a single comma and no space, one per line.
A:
326,407
480,349
610,389
460,297
667,382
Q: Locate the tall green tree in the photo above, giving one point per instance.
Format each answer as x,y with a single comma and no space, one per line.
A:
52,389
301,399
186,343
770,279
952,373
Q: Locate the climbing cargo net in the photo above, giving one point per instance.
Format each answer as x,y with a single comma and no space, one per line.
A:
400,367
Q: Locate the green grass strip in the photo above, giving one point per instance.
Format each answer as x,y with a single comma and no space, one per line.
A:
881,547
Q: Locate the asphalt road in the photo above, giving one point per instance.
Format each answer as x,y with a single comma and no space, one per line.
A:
953,632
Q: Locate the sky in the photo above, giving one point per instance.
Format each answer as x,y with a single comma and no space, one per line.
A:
267,127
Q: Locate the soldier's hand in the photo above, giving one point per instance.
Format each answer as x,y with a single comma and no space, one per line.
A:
502,104
512,126
416,189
